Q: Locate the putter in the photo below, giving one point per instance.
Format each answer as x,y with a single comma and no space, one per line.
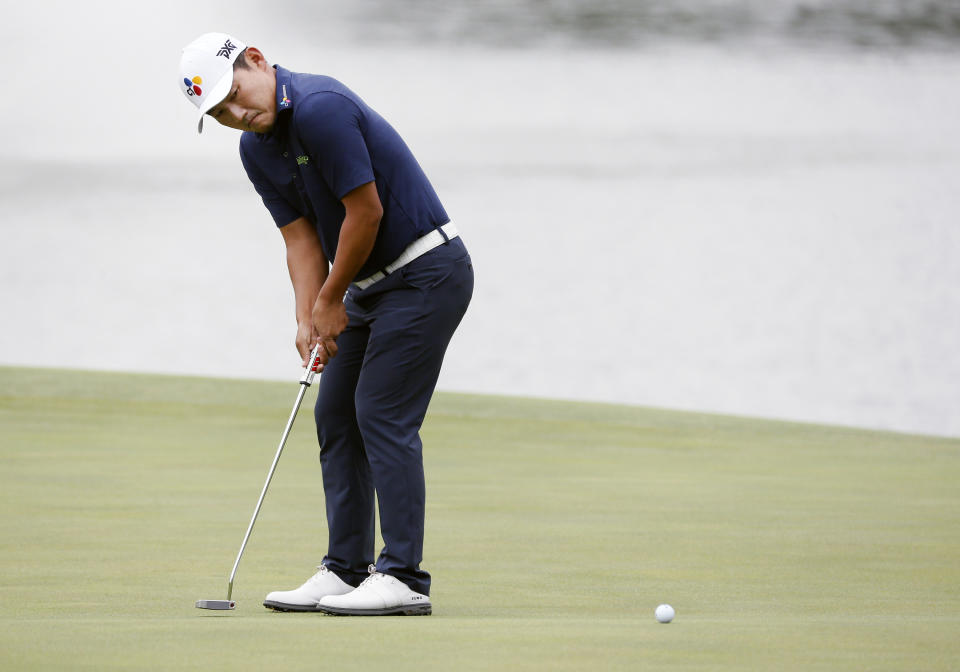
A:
305,381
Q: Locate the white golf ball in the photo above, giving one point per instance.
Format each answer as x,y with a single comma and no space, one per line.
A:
665,613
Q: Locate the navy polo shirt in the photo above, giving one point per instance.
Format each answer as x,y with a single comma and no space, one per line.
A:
325,143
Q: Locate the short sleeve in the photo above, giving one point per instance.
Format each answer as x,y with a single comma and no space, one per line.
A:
280,209
329,127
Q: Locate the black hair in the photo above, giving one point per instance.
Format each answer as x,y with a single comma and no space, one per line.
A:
241,61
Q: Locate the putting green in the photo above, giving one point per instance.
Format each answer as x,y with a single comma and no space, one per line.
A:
553,531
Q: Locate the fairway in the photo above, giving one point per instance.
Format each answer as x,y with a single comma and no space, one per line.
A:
553,531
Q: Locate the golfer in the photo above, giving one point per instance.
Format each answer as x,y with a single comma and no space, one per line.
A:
381,281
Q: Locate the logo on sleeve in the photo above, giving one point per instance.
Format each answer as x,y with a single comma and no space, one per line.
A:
226,49
193,86
302,160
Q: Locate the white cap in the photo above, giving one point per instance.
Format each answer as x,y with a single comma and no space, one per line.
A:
206,70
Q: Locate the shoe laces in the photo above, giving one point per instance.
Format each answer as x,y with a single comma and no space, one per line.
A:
374,575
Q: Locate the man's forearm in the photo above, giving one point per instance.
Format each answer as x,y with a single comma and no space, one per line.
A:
358,233
308,272
307,265
357,237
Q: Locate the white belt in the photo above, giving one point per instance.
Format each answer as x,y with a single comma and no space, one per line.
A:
417,248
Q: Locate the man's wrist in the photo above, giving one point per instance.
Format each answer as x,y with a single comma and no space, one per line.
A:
331,295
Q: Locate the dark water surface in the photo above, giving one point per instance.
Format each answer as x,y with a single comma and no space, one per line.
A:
861,24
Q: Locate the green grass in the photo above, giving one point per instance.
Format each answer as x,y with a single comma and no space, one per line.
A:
553,531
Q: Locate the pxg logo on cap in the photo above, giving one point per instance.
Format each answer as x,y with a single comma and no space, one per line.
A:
206,70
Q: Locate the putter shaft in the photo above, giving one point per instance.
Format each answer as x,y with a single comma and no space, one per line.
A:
263,493
305,381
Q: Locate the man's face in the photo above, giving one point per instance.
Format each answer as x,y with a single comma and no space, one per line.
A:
251,104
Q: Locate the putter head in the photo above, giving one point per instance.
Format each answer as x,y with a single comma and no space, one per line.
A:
216,604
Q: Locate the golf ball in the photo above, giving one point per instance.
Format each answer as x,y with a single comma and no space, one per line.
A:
664,613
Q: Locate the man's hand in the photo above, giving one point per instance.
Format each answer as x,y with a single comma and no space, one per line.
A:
329,321
306,338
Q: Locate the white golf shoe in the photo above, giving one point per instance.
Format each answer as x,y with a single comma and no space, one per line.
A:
306,597
379,595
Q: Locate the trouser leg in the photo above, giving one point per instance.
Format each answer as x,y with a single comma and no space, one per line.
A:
410,327
347,482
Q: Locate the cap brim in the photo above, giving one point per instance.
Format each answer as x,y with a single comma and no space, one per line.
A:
215,97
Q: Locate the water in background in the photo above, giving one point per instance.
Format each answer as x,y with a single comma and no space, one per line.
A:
850,24
738,207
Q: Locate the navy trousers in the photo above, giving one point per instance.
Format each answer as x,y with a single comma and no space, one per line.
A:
371,402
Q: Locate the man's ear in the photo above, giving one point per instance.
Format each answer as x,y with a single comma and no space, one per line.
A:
256,59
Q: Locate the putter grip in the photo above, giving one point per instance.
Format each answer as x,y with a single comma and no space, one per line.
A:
311,370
